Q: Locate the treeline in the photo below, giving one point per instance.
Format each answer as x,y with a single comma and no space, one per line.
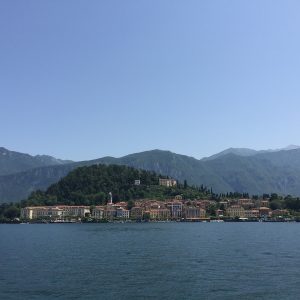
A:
276,201
91,186
280,202
231,195
9,211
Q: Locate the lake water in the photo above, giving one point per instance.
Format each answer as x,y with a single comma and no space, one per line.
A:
150,261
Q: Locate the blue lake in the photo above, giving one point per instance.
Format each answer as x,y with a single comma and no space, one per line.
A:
150,261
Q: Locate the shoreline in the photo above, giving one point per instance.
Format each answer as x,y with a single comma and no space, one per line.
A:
153,221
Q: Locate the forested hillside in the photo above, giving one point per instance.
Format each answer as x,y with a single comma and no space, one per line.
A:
92,185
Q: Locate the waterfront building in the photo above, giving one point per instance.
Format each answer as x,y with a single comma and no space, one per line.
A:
26,213
153,213
136,213
175,208
235,211
54,212
159,214
164,214
110,212
264,212
37,212
122,213
98,212
75,211
193,213
252,213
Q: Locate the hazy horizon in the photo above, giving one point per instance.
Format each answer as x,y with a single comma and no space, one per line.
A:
199,158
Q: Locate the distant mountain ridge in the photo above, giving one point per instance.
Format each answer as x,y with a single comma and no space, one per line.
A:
235,170
236,151
248,151
13,162
261,173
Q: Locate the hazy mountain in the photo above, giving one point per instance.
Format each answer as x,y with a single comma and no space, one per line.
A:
236,151
263,172
12,162
291,147
248,152
15,187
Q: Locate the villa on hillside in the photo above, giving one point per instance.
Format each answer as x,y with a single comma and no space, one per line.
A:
167,182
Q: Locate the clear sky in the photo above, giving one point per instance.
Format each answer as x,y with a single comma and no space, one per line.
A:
86,79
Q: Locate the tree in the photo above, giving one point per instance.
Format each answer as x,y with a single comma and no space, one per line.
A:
211,210
275,205
12,212
222,207
185,185
130,204
146,216
274,196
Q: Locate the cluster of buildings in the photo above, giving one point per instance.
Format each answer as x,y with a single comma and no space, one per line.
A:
174,209
249,209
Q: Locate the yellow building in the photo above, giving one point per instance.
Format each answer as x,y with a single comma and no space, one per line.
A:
160,214
136,213
235,211
193,213
167,182
252,213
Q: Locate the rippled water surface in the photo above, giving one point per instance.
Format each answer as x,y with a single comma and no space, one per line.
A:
150,261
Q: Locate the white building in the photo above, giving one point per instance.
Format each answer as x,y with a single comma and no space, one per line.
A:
122,213
54,212
175,209
98,212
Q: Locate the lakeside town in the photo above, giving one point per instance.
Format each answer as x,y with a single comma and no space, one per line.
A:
176,209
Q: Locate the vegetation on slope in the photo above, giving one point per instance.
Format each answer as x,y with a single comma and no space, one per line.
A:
91,186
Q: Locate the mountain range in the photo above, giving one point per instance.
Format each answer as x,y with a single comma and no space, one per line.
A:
232,170
12,162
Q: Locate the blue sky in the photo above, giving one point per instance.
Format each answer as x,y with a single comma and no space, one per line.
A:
85,79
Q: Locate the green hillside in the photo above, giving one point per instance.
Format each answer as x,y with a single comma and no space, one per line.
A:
91,186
